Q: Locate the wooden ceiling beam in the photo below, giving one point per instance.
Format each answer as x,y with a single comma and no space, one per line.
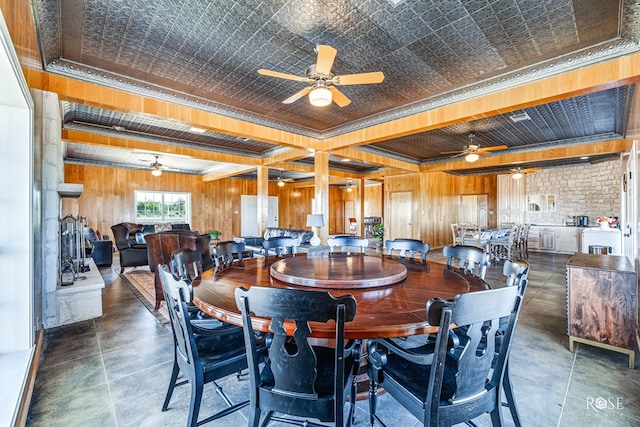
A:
561,152
616,72
375,159
87,138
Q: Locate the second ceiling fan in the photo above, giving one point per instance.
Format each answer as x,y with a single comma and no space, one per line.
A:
322,82
472,152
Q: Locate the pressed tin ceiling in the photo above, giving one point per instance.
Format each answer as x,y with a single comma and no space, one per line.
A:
206,54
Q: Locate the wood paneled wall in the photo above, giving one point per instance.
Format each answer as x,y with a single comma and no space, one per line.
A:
108,199
436,198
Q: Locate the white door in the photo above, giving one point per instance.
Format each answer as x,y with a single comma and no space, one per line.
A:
400,210
249,211
348,213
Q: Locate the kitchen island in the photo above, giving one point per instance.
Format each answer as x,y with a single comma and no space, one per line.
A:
602,303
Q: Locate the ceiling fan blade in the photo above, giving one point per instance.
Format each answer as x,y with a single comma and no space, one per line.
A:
359,79
339,97
282,75
530,170
297,95
326,56
496,148
454,152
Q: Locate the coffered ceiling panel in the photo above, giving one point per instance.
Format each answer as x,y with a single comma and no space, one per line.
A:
206,54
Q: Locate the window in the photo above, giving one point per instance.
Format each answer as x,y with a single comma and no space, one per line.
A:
153,207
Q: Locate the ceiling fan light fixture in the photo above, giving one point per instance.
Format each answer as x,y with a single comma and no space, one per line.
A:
471,157
280,183
320,97
156,172
516,175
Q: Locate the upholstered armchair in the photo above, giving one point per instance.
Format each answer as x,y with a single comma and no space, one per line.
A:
161,245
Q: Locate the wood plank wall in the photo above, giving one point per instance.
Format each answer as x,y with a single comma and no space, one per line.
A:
108,199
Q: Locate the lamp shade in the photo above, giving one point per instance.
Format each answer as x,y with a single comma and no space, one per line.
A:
320,97
315,220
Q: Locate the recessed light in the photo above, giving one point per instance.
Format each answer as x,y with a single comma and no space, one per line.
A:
344,159
519,117
118,128
584,158
197,130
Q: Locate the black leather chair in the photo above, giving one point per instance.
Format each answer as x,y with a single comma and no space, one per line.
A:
410,245
133,252
300,379
449,381
470,259
348,244
102,248
202,358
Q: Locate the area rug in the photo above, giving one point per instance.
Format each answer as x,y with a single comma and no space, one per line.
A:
141,283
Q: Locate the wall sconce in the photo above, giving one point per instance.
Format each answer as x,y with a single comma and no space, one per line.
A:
315,221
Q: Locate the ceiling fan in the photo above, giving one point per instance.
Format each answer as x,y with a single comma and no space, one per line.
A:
472,152
281,181
518,172
322,82
156,168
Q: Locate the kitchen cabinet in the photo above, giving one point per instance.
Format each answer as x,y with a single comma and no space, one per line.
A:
511,199
547,239
602,303
567,239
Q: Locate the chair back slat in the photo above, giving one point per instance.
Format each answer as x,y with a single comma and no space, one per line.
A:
410,245
348,244
470,259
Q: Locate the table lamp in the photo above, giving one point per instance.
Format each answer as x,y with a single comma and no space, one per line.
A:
315,221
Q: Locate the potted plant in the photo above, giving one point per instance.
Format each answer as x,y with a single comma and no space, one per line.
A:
378,233
215,234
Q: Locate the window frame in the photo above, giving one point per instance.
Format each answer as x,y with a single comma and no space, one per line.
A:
163,218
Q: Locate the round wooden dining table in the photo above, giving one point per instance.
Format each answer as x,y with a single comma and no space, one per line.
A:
383,310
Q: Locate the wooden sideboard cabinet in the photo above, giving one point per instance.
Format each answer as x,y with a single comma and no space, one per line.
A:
602,303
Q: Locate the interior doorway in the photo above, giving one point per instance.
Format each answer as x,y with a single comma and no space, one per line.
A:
401,215
249,212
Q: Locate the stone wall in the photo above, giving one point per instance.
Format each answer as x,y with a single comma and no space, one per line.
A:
593,190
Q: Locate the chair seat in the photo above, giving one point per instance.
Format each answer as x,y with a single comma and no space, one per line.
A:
415,377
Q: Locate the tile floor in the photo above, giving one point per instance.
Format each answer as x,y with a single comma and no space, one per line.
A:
113,371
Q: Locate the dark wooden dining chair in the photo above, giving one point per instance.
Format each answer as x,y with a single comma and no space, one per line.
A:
517,273
301,379
202,358
348,244
225,253
410,245
470,259
281,246
186,264
449,382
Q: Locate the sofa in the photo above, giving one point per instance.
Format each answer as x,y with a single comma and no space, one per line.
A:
129,239
303,235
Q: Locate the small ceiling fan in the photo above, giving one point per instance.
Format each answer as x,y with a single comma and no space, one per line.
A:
281,181
322,82
156,167
517,173
472,152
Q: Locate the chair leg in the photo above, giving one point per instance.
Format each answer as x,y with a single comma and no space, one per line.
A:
508,392
172,382
373,400
194,404
254,417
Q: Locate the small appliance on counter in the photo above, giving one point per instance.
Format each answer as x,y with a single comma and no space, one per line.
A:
608,238
582,221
